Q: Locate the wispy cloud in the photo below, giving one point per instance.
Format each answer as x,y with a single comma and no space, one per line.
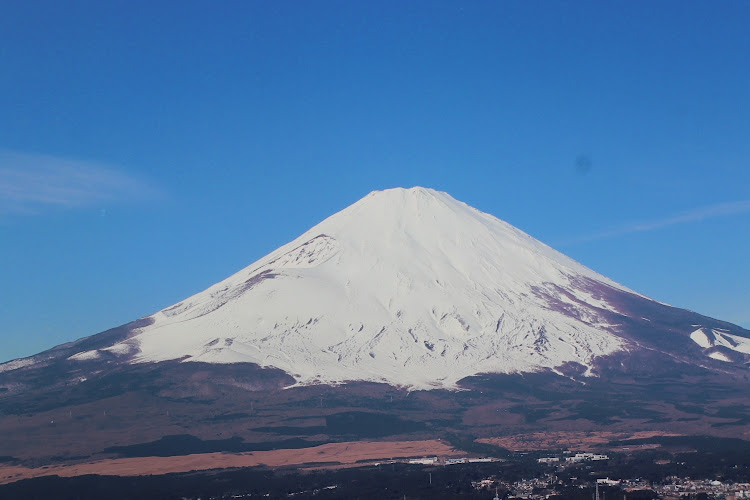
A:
34,183
694,215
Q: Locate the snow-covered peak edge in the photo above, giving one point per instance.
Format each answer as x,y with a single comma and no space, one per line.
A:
408,202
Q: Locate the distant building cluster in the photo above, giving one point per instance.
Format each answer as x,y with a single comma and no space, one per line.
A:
454,461
578,457
678,487
424,461
584,457
450,461
541,488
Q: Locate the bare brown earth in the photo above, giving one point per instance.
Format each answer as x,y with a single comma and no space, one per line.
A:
578,441
336,454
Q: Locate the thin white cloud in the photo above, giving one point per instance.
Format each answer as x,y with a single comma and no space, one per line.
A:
34,183
694,215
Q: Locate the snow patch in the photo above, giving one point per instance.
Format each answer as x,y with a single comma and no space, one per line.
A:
85,356
16,364
720,356
733,342
120,349
721,337
700,338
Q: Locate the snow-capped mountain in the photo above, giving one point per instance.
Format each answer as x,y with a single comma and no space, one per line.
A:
412,288
407,289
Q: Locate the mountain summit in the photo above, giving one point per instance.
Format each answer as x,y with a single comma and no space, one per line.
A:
413,288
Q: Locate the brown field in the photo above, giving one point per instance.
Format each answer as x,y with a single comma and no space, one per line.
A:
337,454
579,441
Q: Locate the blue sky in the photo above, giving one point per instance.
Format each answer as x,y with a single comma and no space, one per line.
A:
150,149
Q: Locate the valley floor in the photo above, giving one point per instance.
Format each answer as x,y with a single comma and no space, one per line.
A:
667,467
331,455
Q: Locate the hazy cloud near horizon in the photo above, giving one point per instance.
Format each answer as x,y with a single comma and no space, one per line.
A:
34,183
694,215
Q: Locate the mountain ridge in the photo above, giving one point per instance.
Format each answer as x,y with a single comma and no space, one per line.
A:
408,287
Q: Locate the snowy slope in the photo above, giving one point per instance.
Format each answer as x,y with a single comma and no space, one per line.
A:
406,286
714,341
